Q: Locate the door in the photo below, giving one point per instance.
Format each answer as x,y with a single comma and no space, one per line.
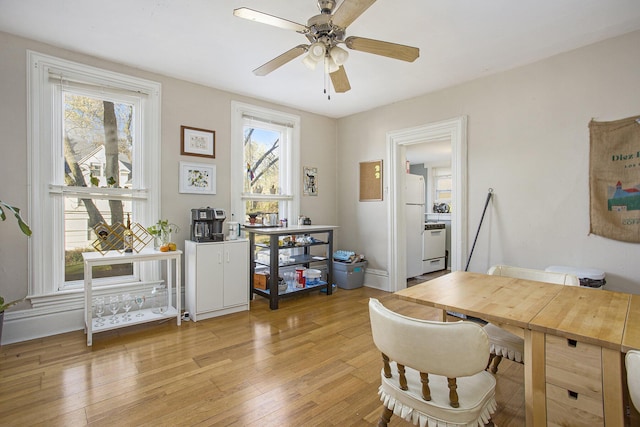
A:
415,228
415,192
455,131
434,243
209,274
236,273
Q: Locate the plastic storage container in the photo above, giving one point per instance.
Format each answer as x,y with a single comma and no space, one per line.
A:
349,276
589,277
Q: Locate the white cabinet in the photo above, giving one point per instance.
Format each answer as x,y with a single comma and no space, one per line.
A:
217,278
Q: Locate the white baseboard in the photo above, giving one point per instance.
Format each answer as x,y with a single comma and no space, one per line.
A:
43,321
377,279
37,325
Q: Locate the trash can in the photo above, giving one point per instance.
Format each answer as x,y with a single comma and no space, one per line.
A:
349,275
589,277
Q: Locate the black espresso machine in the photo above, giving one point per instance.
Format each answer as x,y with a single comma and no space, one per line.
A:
206,224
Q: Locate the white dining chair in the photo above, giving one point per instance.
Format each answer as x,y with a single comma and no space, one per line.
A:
503,343
632,363
433,372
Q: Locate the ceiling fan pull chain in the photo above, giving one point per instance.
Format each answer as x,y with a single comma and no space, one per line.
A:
327,84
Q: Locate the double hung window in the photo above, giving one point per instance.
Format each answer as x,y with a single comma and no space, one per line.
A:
265,175
94,147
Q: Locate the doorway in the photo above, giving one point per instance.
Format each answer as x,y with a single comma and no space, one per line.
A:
455,130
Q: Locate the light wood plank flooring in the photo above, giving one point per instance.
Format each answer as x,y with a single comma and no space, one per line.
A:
310,363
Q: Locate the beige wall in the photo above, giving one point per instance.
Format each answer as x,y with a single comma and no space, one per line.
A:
183,103
528,140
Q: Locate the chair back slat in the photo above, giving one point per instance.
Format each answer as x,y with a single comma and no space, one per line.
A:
387,368
426,391
453,393
402,378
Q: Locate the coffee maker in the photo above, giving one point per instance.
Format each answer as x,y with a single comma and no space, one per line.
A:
206,224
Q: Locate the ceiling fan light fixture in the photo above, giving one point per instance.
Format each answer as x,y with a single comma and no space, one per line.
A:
339,55
309,62
317,51
330,66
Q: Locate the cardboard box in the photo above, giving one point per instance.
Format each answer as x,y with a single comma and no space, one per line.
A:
261,280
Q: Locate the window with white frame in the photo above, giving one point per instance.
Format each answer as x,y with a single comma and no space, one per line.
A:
442,187
94,145
265,159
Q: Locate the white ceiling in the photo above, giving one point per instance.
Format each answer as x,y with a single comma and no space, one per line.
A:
201,41
432,153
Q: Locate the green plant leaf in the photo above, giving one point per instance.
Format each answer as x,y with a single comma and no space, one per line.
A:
16,212
4,306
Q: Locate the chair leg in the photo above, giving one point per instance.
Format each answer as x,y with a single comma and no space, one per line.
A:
385,418
496,362
491,356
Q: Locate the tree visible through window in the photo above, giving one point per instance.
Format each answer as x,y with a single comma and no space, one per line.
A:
95,132
262,155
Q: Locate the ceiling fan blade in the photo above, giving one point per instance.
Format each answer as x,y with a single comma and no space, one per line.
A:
279,61
349,11
377,47
254,15
340,81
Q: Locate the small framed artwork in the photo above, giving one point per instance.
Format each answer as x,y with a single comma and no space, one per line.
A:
197,178
197,142
310,180
371,181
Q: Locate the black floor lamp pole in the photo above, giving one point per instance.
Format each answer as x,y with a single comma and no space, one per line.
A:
489,194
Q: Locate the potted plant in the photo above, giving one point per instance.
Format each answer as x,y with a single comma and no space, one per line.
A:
162,231
24,227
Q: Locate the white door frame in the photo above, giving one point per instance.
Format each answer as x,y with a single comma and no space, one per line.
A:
456,131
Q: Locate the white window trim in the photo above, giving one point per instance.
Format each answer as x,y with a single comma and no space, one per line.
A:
238,111
39,130
436,174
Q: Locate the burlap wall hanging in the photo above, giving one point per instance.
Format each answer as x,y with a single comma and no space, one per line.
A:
614,179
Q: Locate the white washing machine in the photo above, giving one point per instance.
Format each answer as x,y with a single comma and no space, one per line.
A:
434,246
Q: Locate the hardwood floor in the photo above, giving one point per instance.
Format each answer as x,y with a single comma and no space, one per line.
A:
425,277
312,362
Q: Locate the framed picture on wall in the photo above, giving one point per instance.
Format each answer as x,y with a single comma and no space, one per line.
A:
197,178
310,180
197,142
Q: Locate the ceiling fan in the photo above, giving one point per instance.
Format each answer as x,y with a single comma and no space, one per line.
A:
324,33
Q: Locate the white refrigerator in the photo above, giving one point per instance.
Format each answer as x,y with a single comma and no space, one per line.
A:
414,219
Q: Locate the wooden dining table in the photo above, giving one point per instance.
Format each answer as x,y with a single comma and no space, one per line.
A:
539,312
631,336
